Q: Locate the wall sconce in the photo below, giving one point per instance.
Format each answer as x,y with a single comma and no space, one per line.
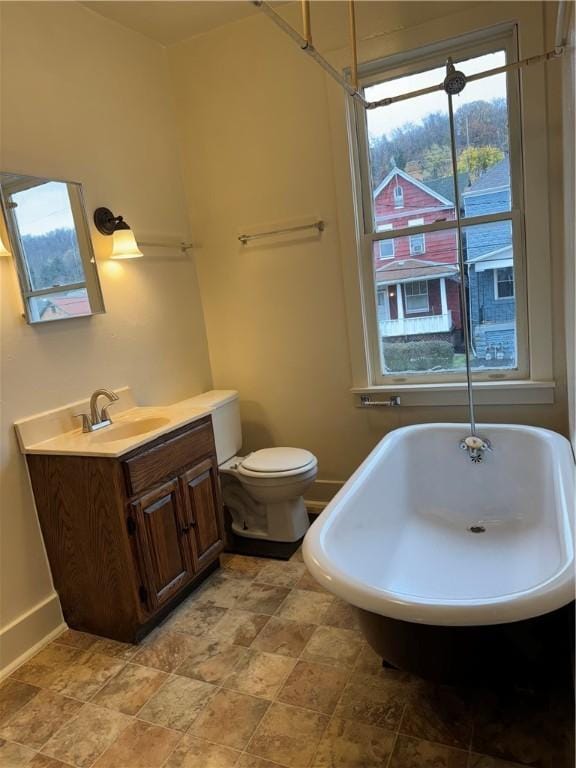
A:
124,245
3,250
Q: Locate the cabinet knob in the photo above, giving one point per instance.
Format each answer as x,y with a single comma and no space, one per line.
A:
185,529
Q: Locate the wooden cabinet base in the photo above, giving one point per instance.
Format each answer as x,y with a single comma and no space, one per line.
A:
129,538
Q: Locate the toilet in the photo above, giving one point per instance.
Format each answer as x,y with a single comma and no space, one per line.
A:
264,490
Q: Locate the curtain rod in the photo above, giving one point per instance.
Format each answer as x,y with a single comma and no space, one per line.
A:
308,48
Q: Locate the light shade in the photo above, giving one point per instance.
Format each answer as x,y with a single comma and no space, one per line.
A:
3,250
124,245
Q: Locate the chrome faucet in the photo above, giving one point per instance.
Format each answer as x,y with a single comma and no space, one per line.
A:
98,418
476,447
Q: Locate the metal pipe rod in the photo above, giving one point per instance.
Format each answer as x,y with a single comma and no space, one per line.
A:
559,38
461,267
319,225
306,24
352,17
181,246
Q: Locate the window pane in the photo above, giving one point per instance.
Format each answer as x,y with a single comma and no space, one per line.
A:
419,316
43,216
492,307
410,150
57,306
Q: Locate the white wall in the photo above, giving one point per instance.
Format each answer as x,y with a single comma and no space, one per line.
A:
84,99
276,315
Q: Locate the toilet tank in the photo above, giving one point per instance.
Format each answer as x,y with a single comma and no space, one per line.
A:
225,411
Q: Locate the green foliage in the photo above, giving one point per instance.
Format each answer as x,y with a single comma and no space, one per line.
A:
476,160
417,355
478,124
436,162
53,258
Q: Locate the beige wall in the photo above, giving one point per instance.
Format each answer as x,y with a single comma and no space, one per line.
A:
275,316
84,99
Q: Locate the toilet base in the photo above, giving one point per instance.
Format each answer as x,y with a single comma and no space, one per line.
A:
257,547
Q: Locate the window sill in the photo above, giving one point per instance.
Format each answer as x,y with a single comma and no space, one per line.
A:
485,393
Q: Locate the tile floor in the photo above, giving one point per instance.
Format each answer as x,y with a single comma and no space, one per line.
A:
261,668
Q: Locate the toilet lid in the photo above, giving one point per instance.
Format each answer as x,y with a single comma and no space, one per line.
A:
277,460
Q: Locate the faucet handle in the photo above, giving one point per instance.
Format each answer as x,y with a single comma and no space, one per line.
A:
86,423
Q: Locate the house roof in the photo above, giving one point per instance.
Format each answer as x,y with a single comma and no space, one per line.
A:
496,177
501,257
72,306
444,185
408,270
411,180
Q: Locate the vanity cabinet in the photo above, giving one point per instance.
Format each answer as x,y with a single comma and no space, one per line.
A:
129,537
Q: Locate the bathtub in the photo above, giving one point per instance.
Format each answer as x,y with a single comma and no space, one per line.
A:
428,544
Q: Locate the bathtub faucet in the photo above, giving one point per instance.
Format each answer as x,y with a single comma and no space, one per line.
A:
476,447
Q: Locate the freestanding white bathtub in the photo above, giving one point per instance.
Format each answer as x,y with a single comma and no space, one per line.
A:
422,536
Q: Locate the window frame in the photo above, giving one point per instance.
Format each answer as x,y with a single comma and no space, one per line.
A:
497,282
391,67
386,228
417,223
398,199
406,297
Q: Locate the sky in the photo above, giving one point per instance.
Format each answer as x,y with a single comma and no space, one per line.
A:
43,208
384,120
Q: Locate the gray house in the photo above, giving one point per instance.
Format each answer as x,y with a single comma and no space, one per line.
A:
490,260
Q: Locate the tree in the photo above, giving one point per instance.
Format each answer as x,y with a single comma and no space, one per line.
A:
476,160
436,162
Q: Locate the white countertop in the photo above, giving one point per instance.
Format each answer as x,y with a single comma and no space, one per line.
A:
57,432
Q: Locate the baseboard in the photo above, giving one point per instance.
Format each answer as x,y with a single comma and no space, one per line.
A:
321,492
29,633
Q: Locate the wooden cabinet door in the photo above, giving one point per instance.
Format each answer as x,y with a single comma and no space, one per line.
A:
201,493
163,543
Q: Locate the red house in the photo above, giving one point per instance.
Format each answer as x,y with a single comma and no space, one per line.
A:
416,275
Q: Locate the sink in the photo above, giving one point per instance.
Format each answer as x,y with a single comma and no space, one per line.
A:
125,429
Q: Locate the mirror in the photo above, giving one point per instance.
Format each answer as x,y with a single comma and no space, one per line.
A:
50,241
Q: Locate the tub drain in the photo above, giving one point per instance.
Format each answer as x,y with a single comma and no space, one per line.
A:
477,529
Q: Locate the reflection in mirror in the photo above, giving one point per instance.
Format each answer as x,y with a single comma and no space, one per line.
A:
50,241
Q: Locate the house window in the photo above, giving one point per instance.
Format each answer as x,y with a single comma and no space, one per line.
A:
416,296
398,197
386,247
504,283
417,242
486,191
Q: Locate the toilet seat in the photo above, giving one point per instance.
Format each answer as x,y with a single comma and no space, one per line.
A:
277,462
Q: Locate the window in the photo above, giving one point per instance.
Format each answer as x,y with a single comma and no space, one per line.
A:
504,283
410,141
398,197
416,296
417,242
386,246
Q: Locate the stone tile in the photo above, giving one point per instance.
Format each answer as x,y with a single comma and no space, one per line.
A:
297,556
260,674
14,755
305,606
165,650
13,696
130,689
140,745
194,618
43,761
368,660
222,590
43,668
374,700
533,729
240,564
331,645
281,574
438,713
85,675
212,660
177,703
81,741
341,614
240,627
229,719
288,735
263,598
75,639
85,641
417,753
314,686
251,761
483,761
39,719
354,745
192,752
307,581
284,637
